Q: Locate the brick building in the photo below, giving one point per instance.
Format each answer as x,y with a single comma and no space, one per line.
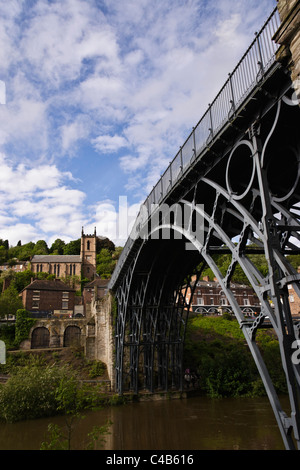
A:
294,299
17,266
62,266
209,298
46,298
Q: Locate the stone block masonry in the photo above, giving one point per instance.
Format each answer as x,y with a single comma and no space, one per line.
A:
288,36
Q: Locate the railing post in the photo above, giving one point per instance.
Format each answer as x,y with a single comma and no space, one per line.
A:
232,101
194,143
260,62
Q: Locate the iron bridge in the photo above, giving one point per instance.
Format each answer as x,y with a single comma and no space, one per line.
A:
232,188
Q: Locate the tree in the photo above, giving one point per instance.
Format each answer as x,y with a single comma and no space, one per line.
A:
22,279
105,263
10,302
73,247
57,247
3,254
104,243
40,248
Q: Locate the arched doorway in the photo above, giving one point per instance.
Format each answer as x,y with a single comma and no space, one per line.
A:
72,336
40,338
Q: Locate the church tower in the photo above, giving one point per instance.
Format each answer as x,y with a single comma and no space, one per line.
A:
88,254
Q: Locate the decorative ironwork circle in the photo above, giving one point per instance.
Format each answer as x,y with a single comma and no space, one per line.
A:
240,170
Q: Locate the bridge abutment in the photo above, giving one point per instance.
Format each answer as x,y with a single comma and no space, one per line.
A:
288,36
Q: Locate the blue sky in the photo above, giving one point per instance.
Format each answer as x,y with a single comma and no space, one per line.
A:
99,95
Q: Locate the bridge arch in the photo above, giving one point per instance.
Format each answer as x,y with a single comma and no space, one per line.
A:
253,209
253,214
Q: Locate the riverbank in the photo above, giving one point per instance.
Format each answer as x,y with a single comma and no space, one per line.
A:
215,349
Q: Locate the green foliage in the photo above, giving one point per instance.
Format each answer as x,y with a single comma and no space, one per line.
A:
57,247
10,302
30,393
61,439
41,248
7,334
24,323
223,262
216,349
73,247
105,263
96,369
22,279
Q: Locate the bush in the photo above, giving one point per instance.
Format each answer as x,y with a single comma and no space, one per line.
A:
30,393
7,334
97,368
23,325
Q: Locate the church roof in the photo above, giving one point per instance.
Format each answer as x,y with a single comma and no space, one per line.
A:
56,259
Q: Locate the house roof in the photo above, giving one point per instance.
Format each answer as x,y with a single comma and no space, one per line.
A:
44,284
56,259
97,282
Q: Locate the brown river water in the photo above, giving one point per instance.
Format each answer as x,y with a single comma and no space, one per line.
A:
197,423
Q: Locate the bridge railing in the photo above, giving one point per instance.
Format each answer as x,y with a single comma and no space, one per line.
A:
251,69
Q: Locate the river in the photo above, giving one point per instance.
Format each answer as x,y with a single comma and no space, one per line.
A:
197,423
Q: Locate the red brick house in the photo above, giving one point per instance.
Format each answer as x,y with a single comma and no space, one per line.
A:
209,297
46,298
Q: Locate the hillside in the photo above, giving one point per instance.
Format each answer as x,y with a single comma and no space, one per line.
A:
216,350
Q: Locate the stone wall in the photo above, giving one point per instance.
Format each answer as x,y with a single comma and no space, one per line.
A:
104,337
56,328
288,37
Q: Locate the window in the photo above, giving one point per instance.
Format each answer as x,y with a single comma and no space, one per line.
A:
36,299
246,302
200,301
65,295
211,301
223,301
65,304
88,245
292,298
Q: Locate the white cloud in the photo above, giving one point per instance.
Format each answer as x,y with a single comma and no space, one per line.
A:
108,143
84,77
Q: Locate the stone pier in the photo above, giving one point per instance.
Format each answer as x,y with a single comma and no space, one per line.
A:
103,346
288,37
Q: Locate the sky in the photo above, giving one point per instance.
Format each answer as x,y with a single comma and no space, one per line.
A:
97,96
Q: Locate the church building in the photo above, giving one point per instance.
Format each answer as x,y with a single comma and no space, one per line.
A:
82,265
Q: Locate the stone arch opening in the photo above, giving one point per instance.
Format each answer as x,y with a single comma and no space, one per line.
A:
72,336
40,338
